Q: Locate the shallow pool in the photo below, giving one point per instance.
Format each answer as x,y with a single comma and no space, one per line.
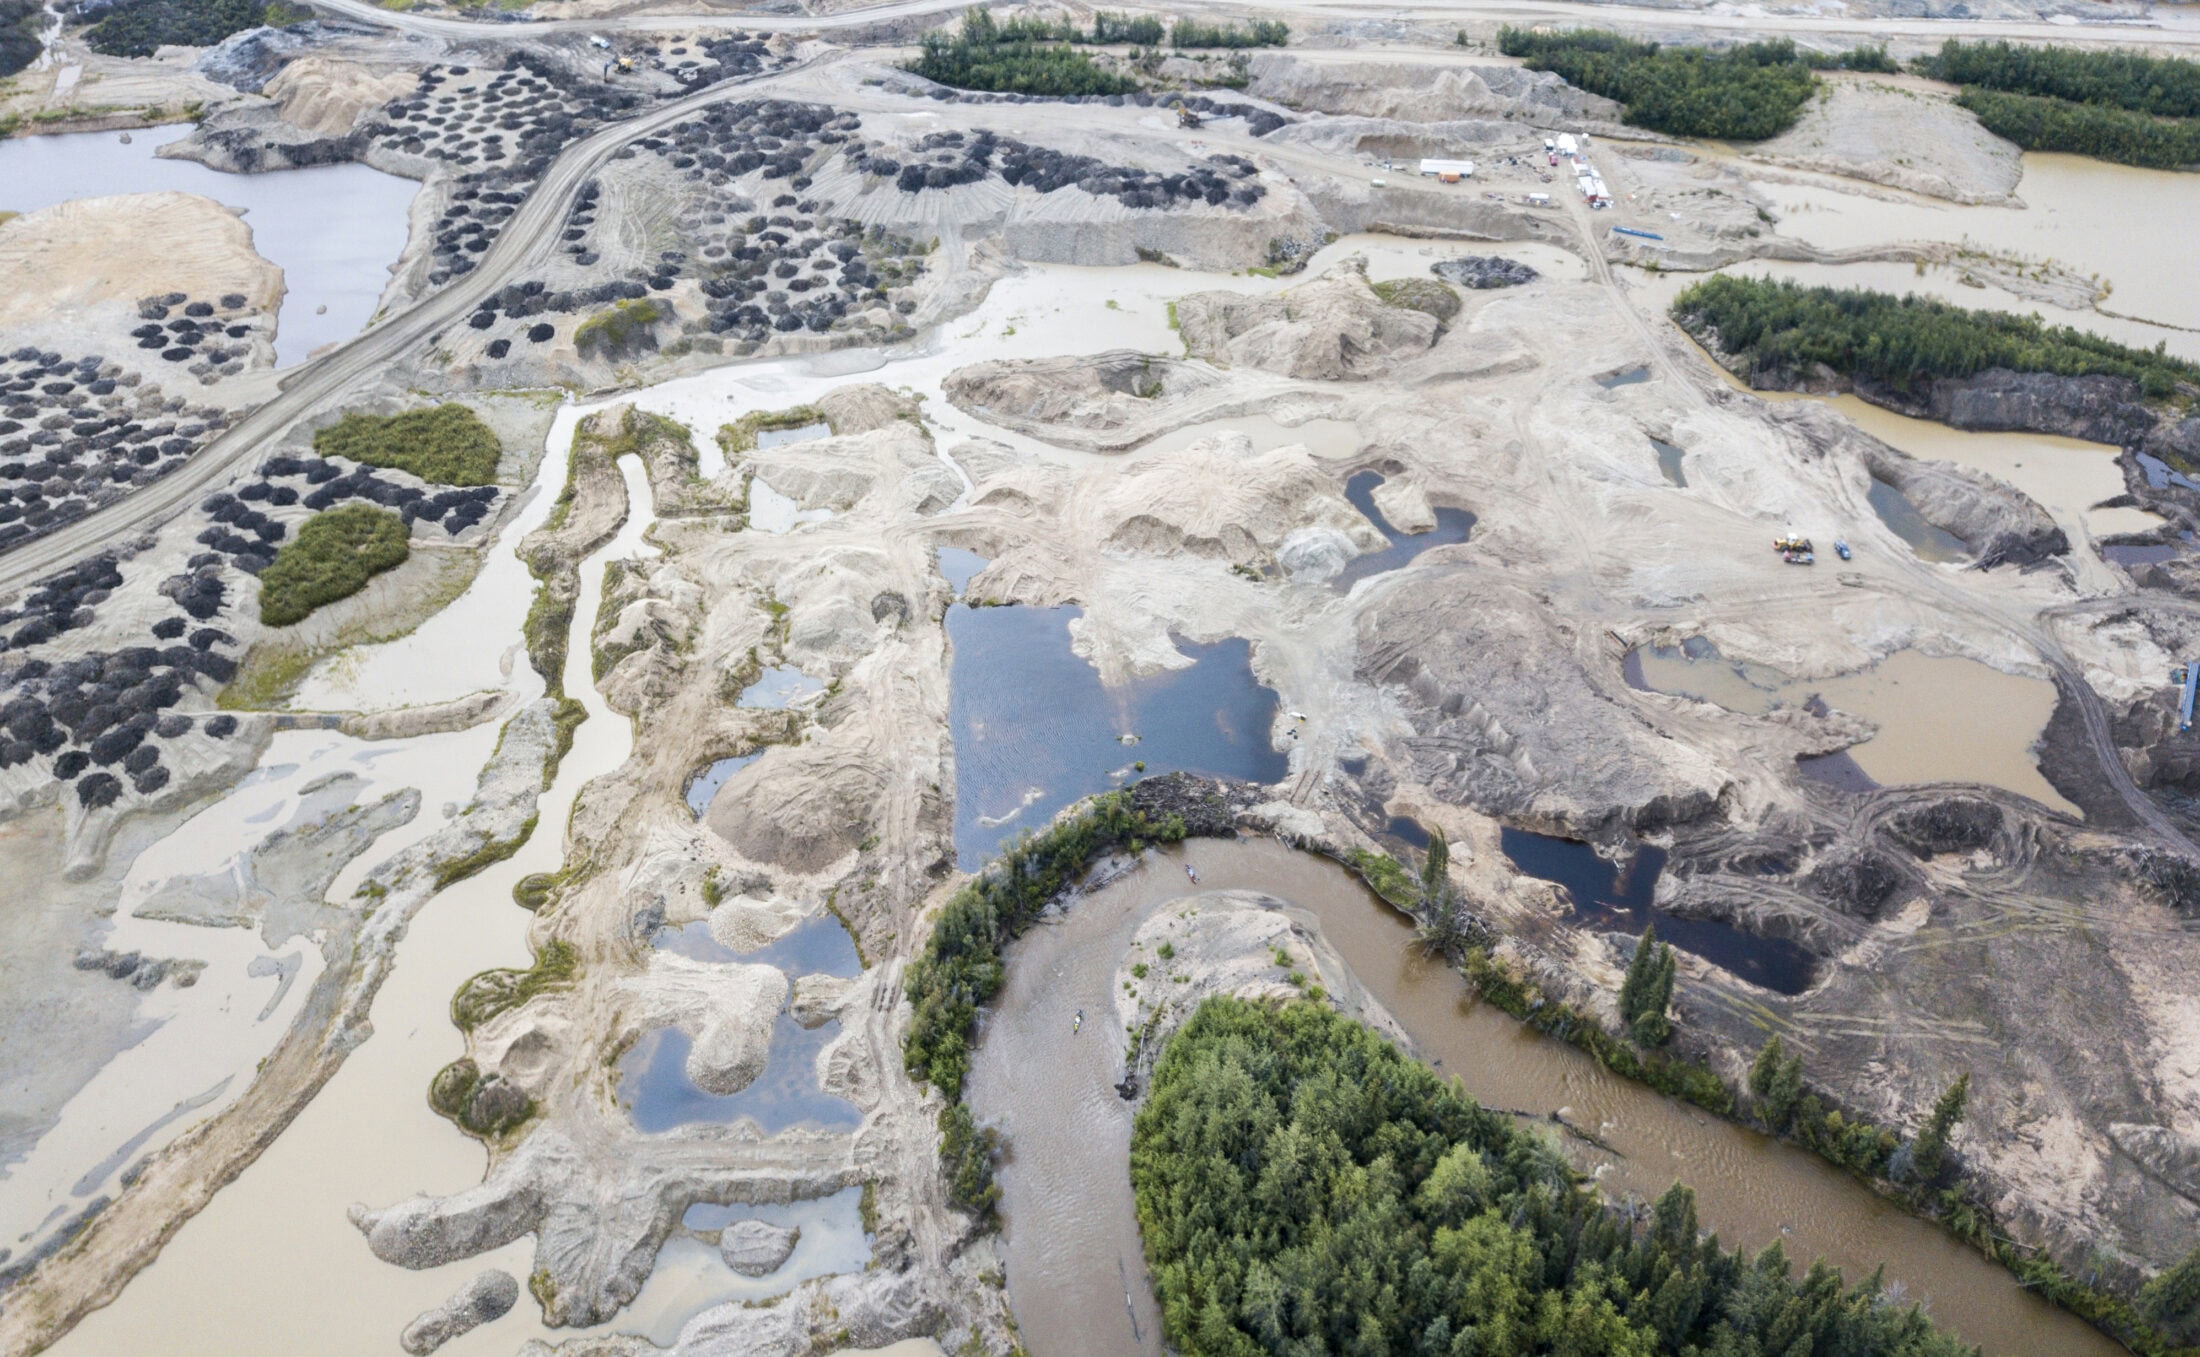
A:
1605,896
958,567
705,784
1035,729
777,687
816,946
334,230
657,1093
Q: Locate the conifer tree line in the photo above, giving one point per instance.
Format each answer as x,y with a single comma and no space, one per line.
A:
1647,992
1303,1188
2123,107
1745,92
1779,330
1039,56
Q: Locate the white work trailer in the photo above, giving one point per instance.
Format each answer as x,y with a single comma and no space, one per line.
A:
1457,169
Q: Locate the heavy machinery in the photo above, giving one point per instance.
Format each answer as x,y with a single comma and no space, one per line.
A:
1185,117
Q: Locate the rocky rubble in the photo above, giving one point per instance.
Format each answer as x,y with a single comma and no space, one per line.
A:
1484,271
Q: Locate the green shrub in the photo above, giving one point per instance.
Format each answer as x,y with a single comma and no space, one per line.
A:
1302,1186
966,1156
1780,329
1419,294
486,1106
739,437
333,556
2172,1300
447,444
1386,876
1874,59
1747,92
492,992
616,331
1107,28
490,853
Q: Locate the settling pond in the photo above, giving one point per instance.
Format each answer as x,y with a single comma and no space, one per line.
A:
1075,1272
334,230
1940,718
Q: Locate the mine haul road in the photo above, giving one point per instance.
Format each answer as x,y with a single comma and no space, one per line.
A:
524,242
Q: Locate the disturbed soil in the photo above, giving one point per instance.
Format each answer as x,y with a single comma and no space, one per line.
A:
843,320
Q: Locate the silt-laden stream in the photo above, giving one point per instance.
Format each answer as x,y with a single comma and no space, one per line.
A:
1070,1228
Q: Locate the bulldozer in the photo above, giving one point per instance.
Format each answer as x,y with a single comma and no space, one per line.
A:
1187,118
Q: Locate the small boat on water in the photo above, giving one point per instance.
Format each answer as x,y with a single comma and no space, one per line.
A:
1841,549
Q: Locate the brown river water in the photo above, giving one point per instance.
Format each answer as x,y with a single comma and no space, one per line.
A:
1075,1274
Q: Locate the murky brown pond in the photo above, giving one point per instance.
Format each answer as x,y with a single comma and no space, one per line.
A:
1941,718
1071,1233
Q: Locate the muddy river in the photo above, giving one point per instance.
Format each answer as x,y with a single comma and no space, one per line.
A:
1075,1273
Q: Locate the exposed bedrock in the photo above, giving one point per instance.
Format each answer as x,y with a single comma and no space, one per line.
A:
487,1297
256,138
2098,408
1505,718
2001,525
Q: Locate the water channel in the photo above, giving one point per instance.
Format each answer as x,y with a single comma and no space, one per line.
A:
1071,1233
334,230
1452,526
369,1135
